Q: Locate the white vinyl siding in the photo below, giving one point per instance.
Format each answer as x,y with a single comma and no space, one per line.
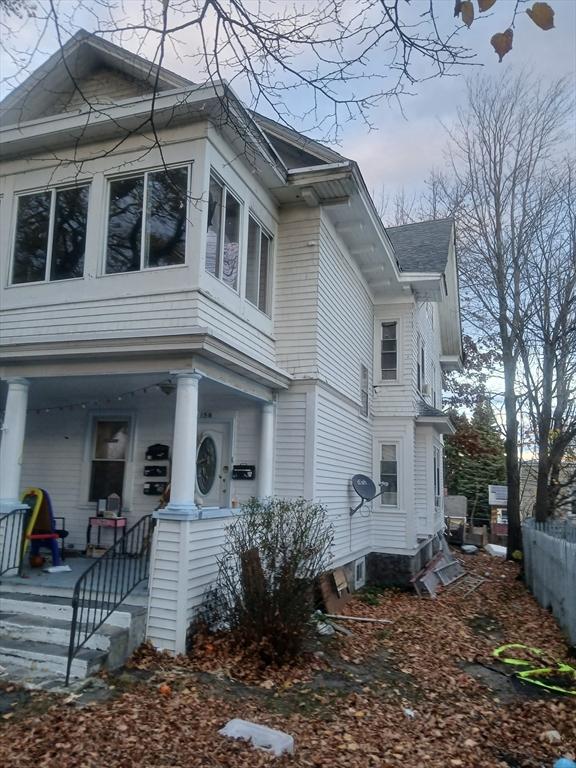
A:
296,299
343,449
290,444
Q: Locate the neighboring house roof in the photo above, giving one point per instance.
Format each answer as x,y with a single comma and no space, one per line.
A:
422,247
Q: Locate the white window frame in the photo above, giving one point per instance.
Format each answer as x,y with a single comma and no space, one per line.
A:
364,390
134,175
53,192
268,311
226,188
380,323
420,364
433,388
397,446
437,476
128,485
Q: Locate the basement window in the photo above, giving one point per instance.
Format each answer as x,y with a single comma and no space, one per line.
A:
258,266
223,233
147,217
50,235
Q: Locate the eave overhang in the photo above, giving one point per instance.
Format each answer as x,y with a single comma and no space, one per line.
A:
216,103
442,424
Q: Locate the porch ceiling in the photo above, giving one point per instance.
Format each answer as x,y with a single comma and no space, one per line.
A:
119,390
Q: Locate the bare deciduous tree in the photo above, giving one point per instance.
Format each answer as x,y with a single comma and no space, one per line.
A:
504,140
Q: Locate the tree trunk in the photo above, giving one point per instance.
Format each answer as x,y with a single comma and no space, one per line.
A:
512,464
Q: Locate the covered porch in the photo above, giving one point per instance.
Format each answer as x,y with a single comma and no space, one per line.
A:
207,431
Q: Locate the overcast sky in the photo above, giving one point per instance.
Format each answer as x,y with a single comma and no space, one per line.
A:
404,147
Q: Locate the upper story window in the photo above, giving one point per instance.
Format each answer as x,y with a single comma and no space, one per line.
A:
223,233
363,390
389,474
420,365
147,221
389,351
433,385
50,235
258,266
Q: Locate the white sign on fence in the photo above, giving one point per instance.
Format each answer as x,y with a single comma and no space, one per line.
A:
498,495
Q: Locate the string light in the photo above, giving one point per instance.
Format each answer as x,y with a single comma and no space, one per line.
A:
161,386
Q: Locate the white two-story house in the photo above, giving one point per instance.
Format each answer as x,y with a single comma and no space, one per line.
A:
178,271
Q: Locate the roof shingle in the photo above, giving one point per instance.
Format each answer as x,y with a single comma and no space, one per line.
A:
424,246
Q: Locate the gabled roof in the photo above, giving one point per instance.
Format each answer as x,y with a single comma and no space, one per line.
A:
423,247
49,89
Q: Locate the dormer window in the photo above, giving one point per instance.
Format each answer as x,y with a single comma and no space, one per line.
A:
147,221
223,233
50,235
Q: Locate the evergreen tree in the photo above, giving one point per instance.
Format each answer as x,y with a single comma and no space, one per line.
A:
475,459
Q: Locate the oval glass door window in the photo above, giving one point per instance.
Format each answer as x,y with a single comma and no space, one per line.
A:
206,465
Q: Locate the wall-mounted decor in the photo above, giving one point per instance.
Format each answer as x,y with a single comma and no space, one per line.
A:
154,489
155,470
244,472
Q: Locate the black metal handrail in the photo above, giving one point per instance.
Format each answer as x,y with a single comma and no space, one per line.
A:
107,583
12,528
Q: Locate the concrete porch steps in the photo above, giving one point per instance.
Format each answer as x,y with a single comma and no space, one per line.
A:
35,633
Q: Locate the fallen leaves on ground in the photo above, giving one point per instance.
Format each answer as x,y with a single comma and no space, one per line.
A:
390,696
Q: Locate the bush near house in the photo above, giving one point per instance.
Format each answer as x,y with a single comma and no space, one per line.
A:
272,555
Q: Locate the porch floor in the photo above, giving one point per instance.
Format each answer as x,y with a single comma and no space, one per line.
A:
38,582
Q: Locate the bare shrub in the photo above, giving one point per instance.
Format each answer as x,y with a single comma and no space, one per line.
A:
272,555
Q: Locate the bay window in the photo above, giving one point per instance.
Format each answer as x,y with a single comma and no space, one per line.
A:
258,266
223,233
50,235
147,217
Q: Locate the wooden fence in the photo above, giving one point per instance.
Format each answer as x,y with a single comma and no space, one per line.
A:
550,566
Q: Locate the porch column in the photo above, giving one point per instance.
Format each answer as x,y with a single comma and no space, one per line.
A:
183,480
266,468
173,557
12,443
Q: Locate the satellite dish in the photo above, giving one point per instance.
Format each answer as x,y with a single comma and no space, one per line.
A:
364,487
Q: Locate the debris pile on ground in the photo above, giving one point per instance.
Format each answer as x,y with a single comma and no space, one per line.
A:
424,689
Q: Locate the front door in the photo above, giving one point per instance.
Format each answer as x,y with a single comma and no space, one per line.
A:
212,464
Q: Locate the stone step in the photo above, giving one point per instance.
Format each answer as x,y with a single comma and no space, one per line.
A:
54,607
43,629
49,658
139,596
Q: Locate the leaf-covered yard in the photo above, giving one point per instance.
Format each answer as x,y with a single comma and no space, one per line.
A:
411,693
